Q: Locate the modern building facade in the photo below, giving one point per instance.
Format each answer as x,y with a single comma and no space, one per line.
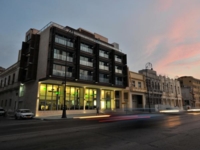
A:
194,86
171,92
95,71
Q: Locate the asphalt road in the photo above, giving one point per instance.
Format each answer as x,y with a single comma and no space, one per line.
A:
170,132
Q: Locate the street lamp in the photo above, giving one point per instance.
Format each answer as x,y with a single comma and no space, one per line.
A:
148,66
176,80
64,115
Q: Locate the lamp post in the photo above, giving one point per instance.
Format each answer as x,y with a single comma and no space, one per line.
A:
177,104
148,66
64,115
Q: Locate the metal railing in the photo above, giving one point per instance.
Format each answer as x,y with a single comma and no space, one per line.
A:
118,83
118,71
61,73
103,67
118,59
62,57
63,41
86,63
86,77
86,49
103,55
104,80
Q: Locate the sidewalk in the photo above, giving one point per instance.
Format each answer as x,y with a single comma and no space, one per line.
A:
69,116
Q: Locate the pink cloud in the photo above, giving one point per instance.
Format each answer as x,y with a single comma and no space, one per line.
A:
164,5
183,40
151,46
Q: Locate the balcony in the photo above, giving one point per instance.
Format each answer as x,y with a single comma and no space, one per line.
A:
86,49
63,41
86,77
61,73
86,63
62,57
104,80
118,71
118,82
118,59
103,55
103,67
70,59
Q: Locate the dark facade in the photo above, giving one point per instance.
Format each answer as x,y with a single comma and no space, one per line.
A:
86,61
95,70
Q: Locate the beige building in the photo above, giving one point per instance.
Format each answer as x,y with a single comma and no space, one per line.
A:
171,92
137,90
9,88
194,84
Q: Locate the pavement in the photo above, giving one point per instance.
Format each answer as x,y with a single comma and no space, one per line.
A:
69,116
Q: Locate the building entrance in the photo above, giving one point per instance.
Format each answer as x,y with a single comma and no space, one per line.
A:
137,101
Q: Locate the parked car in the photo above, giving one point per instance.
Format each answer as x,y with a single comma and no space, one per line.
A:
2,112
24,114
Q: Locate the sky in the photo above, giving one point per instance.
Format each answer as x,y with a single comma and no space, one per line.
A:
165,33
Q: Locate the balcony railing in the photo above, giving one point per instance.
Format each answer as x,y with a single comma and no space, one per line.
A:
70,59
103,55
86,63
104,80
61,73
118,60
63,41
103,67
118,71
86,49
86,77
62,57
118,83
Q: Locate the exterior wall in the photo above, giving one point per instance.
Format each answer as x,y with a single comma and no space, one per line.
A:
136,92
187,96
43,54
154,92
171,92
9,90
189,81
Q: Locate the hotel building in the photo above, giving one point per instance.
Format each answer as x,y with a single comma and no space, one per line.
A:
95,71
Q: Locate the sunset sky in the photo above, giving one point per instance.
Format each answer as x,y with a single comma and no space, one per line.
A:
163,32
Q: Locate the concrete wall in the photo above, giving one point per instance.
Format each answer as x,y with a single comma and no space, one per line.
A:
43,54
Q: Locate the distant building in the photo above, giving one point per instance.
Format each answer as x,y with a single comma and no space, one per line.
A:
137,88
171,92
194,86
154,93
2,69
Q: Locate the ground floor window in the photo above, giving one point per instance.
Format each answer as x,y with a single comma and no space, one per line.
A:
107,99
52,97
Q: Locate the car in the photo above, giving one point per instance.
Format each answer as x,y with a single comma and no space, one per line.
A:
2,112
24,114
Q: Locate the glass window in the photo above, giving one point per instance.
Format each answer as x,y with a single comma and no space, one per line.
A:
139,84
21,90
133,83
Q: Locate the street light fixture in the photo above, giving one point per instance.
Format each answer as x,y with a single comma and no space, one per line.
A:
148,66
64,115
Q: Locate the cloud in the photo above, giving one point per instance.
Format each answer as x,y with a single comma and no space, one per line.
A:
164,5
181,41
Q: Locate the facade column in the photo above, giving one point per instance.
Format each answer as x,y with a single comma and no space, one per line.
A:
122,99
99,98
84,102
143,100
